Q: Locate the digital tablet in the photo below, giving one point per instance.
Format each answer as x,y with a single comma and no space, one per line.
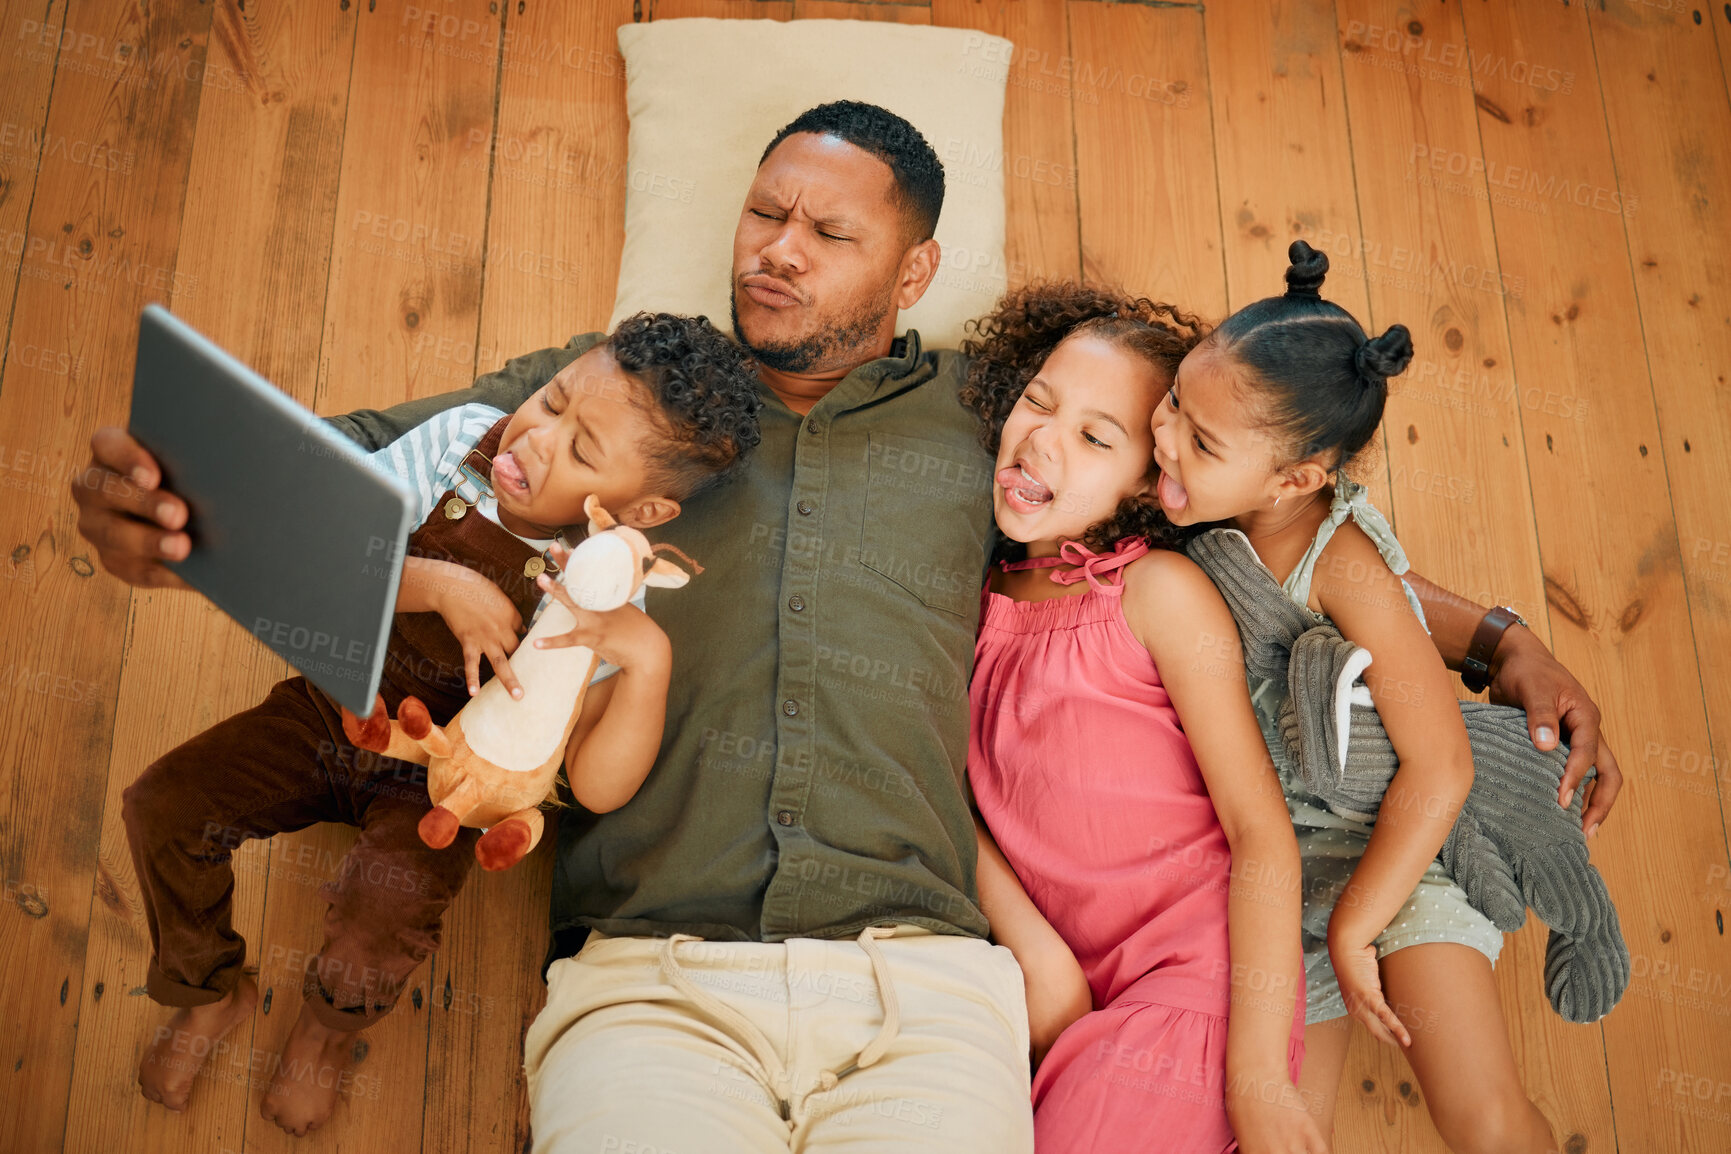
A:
294,534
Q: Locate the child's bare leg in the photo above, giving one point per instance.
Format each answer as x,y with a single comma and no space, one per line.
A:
1324,1059
179,1049
309,1075
1447,996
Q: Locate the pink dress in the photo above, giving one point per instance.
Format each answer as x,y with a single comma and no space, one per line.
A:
1087,782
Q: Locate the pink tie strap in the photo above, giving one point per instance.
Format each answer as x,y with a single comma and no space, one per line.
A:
1088,565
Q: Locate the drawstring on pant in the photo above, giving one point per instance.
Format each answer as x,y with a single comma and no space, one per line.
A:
770,1065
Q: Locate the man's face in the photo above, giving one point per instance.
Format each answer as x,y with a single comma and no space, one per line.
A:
817,256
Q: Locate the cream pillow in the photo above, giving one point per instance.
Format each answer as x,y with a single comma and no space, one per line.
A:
706,97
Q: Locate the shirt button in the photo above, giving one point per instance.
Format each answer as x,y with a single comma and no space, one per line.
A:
785,817
805,508
790,707
796,603
811,426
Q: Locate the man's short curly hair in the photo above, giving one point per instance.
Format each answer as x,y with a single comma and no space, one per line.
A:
1012,342
705,393
918,173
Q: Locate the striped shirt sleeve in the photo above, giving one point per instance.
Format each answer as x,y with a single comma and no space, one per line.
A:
427,457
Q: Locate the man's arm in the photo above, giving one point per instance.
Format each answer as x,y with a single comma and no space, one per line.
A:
1528,676
504,389
135,524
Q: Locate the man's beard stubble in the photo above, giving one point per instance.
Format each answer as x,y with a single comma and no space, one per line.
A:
825,348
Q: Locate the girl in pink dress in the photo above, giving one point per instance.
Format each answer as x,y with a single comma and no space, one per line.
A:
1140,862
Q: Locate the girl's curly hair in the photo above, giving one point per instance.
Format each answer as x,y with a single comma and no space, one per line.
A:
1012,342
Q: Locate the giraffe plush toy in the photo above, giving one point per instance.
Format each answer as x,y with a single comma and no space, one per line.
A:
497,761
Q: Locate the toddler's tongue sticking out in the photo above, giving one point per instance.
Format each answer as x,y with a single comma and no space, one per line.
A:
509,475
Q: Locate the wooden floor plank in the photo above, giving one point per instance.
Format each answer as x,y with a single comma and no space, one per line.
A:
1457,462
1038,155
97,244
554,235
404,290
1669,123
852,10
1606,525
25,82
722,9
1284,158
261,200
1150,214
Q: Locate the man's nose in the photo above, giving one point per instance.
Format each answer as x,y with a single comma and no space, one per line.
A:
785,251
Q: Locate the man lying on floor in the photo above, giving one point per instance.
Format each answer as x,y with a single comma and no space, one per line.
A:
807,817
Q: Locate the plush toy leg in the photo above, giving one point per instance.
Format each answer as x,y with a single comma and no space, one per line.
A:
417,723
439,827
510,841
381,735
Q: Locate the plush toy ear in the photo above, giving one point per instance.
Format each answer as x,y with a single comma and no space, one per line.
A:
600,520
666,575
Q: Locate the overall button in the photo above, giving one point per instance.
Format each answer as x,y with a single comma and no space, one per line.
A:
785,817
811,426
805,508
796,603
790,707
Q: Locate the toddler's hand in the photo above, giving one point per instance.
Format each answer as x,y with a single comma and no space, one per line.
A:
1361,988
484,620
626,636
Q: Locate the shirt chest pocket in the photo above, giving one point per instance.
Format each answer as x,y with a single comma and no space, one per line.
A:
927,513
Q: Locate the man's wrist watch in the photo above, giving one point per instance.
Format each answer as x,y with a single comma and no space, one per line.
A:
1476,669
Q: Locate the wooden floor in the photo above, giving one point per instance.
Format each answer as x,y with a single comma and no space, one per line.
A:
1541,190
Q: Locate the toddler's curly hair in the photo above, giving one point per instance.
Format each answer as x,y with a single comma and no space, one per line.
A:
1010,343
705,393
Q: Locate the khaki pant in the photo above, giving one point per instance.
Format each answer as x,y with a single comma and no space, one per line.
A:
900,1039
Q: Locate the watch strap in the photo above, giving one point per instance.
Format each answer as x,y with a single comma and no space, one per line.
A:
1476,669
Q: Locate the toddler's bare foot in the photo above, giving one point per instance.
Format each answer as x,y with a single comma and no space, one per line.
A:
312,1071
177,1052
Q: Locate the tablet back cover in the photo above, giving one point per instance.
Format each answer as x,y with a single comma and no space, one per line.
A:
294,534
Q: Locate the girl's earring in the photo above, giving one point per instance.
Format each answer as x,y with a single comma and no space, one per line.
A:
1277,502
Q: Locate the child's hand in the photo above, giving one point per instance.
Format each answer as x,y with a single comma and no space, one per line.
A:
626,636
1269,1116
1058,994
484,620
1361,989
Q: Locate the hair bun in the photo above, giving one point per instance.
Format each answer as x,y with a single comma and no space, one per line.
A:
1308,267
1386,356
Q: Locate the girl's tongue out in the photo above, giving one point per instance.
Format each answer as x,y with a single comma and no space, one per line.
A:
1172,494
508,475
1022,489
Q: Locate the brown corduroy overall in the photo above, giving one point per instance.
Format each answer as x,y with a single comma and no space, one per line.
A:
284,765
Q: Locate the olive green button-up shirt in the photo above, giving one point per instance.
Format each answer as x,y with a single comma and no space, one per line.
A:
810,782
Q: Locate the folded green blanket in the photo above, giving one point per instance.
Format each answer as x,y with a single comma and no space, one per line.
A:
1512,847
